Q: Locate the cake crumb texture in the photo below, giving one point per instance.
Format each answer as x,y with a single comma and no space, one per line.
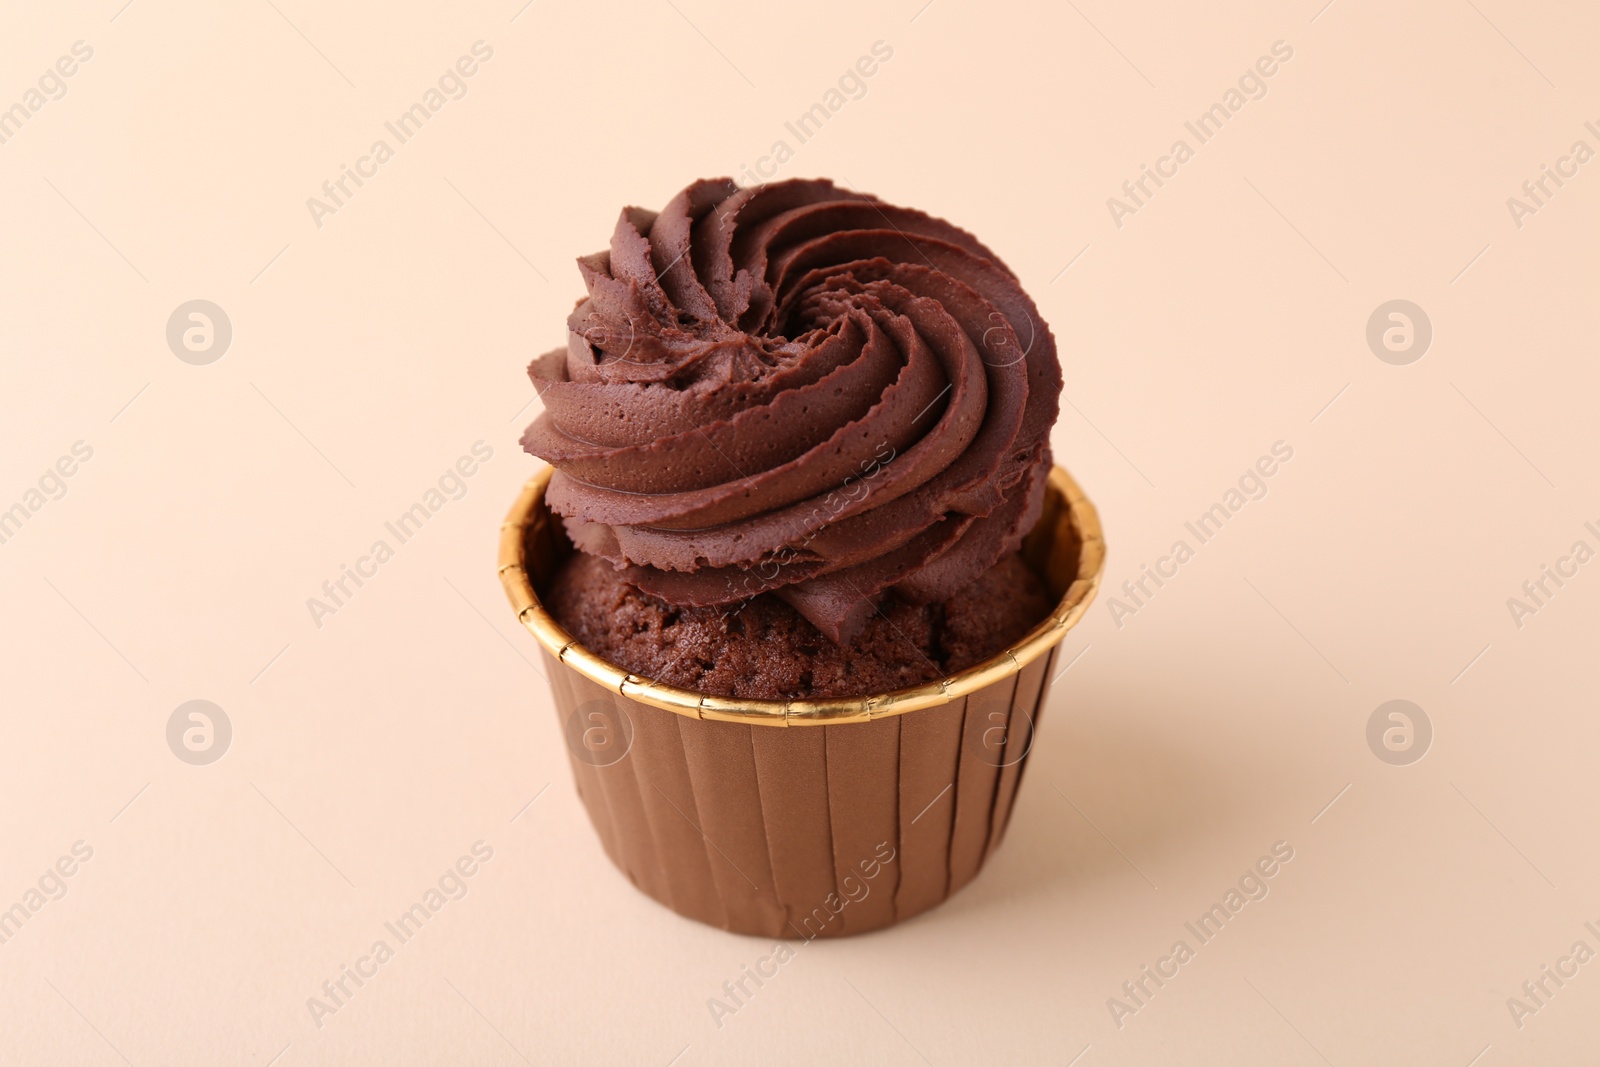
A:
765,650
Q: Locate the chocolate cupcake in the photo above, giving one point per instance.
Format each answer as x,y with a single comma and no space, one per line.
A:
802,475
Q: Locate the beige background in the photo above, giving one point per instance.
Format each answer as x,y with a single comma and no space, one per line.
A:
368,354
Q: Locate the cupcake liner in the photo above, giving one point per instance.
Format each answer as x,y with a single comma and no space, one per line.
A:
855,815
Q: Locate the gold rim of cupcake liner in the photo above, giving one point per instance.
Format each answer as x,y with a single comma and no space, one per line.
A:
1066,547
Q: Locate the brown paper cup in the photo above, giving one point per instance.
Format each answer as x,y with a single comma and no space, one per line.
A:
852,814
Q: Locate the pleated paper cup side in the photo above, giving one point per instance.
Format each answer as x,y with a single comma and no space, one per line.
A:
855,813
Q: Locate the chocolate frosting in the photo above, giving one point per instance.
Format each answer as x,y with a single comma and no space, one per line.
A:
797,389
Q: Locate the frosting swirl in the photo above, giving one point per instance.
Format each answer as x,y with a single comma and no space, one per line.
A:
798,389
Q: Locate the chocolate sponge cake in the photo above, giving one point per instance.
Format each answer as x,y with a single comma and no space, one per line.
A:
763,649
